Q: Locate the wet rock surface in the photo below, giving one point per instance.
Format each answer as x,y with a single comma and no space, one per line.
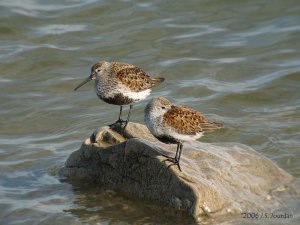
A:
216,179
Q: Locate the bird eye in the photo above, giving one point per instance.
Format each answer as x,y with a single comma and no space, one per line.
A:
97,70
163,107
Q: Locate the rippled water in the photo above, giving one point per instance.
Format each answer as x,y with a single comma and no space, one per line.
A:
236,61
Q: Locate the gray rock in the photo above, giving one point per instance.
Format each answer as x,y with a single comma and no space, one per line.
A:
216,179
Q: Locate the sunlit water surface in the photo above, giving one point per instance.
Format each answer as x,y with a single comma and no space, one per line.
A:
236,61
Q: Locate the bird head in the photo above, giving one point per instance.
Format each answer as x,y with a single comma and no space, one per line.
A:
95,73
158,106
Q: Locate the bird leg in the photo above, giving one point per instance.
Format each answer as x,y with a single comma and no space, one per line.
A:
121,122
175,160
180,150
120,119
128,116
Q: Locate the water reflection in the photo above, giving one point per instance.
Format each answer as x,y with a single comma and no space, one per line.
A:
94,204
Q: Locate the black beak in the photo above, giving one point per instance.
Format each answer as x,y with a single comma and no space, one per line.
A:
91,77
83,83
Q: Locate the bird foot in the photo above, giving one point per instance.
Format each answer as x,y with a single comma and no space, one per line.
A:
119,126
119,121
174,162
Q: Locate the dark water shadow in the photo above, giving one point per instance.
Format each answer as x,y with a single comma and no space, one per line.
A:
97,204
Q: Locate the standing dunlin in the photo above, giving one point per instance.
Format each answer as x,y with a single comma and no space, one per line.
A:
121,84
173,124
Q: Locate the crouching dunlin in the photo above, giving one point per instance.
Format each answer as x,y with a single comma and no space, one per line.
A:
173,124
120,84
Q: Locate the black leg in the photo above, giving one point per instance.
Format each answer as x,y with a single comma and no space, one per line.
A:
180,150
120,119
175,160
128,117
121,107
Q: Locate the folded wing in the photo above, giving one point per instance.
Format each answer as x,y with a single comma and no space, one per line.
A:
189,121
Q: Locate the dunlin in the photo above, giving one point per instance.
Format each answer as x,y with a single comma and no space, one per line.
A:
121,84
174,124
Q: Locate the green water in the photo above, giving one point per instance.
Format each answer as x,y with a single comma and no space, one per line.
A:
236,61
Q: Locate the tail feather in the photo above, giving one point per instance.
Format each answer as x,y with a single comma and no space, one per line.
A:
211,126
157,80
218,125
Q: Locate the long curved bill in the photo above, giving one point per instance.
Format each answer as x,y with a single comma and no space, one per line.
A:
83,83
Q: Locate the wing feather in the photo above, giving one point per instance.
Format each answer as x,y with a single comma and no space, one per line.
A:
133,77
188,121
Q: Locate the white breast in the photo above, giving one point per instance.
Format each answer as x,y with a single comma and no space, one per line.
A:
136,96
184,137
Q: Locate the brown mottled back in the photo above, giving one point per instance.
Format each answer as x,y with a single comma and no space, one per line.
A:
188,121
133,77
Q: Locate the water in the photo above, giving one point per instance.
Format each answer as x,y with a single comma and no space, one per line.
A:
236,61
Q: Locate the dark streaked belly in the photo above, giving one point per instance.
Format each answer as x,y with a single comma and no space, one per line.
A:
118,99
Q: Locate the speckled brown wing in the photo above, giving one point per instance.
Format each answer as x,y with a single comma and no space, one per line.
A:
188,121
133,77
